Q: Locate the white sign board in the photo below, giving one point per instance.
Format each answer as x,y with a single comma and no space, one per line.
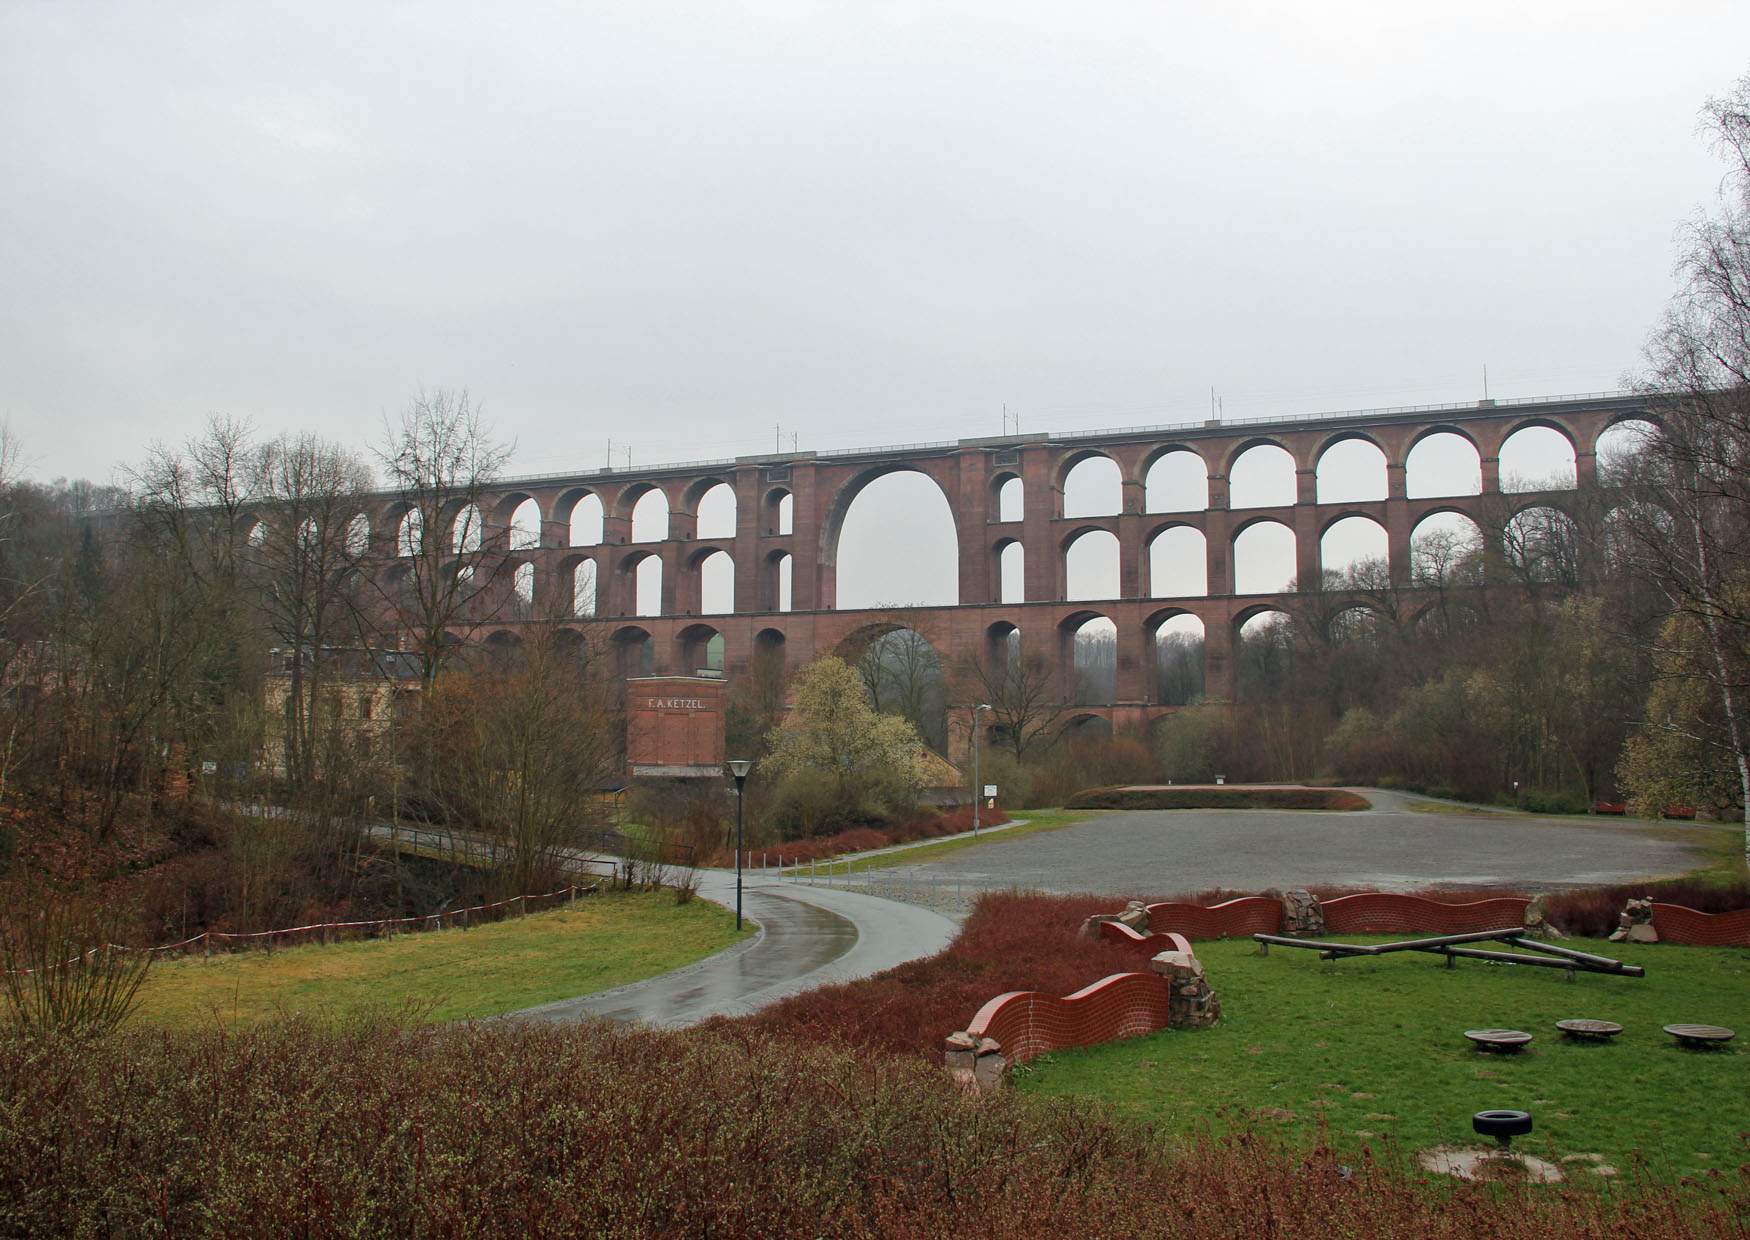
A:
990,790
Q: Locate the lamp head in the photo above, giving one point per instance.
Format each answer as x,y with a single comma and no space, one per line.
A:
739,767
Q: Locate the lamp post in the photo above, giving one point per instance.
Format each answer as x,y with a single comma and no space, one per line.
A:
738,767
977,787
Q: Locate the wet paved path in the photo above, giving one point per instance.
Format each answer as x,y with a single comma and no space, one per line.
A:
807,937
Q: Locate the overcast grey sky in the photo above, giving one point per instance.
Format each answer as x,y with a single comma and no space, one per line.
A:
677,226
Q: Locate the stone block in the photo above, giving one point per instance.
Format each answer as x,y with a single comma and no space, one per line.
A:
1537,923
1194,1011
1176,965
1302,913
990,1072
1091,927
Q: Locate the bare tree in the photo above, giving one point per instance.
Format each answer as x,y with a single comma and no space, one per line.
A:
521,743
439,461
1696,470
1024,693
302,561
904,677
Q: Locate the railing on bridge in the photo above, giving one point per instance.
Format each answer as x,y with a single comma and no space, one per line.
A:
1159,428
1277,419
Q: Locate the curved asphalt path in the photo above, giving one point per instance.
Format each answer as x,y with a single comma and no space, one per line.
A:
807,937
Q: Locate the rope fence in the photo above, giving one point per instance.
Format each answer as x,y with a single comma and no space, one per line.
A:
333,931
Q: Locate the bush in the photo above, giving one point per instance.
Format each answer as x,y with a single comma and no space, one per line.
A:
697,815
1078,762
1218,798
498,1129
1192,744
1014,782
1592,913
1554,801
807,802
923,825
60,975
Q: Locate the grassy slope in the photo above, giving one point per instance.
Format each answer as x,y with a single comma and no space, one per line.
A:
598,943
1214,797
1037,820
1374,1049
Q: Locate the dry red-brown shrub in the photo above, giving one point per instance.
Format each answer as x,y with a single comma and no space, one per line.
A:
495,1129
925,825
1012,941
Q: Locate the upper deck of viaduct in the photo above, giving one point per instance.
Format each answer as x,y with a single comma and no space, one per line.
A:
822,485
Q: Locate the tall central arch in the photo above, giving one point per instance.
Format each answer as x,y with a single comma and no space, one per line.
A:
915,559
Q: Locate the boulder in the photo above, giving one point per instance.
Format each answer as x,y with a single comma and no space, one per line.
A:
1176,965
1537,923
1091,927
1192,1005
1135,915
960,1057
1635,923
990,1072
975,1063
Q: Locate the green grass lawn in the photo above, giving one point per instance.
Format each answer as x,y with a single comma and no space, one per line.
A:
1373,1050
1468,811
1037,820
599,942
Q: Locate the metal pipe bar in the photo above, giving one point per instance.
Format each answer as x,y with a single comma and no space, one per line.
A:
1401,945
1284,941
1471,953
1537,945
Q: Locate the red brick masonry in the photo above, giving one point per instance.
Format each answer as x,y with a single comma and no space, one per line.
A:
1028,1023
1143,944
1230,919
1677,924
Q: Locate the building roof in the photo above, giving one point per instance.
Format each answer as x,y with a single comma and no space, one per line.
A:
356,661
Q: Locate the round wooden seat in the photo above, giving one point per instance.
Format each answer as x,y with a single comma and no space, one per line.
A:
1700,1037
1505,1040
1590,1030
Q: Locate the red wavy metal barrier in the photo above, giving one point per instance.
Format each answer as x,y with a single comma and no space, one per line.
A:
1229,919
1387,912
1144,944
1678,924
1028,1023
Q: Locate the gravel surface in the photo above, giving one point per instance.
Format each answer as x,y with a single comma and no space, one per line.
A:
1153,853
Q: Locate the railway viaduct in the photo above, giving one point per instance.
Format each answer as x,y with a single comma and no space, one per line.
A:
790,509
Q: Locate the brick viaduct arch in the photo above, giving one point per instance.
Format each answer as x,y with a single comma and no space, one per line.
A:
971,474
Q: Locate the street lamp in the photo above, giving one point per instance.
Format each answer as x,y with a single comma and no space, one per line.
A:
977,788
738,767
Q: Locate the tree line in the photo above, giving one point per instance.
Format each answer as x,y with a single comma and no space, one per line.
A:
211,630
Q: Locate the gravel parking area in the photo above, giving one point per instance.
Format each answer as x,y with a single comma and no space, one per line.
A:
1389,848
